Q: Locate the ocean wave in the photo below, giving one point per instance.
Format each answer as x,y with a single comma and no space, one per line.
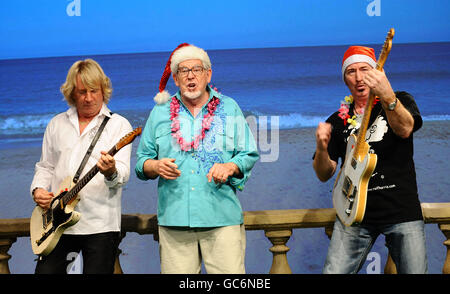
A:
24,124
298,120
32,125
436,117
286,121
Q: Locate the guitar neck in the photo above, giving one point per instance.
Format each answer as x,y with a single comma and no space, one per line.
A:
70,195
359,148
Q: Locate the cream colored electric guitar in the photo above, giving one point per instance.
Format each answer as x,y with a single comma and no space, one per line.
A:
47,226
350,187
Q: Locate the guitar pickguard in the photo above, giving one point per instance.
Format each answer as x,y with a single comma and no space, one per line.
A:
53,219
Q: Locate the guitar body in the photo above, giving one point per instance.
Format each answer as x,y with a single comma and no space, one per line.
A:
350,187
47,226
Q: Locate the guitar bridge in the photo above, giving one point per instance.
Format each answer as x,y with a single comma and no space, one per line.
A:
45,236
348,211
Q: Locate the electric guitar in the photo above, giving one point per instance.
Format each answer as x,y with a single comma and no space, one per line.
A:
350,187
47,226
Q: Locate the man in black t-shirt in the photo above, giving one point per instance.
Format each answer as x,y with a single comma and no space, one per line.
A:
393,206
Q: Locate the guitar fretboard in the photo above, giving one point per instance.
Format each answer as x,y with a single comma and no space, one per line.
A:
359,153
83,181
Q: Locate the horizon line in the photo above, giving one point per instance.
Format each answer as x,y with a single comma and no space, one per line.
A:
217,49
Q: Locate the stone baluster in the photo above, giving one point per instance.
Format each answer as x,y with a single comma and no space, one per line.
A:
279,238
329,231
117,267
445,228
5,245
390,267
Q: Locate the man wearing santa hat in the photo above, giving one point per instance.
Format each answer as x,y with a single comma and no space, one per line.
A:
393,207
200,146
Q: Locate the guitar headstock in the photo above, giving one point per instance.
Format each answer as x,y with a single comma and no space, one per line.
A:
388,42
128,138
385,49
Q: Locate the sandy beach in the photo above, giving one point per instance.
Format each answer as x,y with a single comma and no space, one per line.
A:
287,183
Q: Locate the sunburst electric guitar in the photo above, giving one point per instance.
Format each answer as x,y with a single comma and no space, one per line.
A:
47,226
350,187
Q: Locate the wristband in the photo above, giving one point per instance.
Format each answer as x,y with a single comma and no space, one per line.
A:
34,190
112,177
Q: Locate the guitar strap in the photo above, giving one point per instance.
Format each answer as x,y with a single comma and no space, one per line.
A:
91,147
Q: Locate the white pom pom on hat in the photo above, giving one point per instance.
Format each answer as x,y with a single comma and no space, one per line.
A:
162,97
183,52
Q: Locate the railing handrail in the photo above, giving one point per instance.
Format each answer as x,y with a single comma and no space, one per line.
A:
253,220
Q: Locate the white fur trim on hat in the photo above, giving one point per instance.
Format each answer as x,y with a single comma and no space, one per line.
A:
189,52
162,97
357,58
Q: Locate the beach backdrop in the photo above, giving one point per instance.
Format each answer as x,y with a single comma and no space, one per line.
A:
299,86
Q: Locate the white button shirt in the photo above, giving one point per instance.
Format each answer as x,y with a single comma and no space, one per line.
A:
63,149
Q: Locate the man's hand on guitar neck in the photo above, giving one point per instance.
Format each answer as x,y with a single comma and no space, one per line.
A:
379,85
399,118
43,198
106,165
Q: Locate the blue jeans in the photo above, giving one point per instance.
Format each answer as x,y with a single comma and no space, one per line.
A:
349,247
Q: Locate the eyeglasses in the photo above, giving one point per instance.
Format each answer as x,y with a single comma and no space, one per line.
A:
196,70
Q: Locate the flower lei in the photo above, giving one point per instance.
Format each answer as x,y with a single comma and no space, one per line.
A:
345,107
206,123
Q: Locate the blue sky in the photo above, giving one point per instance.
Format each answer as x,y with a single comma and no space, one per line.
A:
45,28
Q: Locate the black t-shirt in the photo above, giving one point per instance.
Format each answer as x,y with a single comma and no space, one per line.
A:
392,193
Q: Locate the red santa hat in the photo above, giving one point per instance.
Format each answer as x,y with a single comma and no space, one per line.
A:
356,54
182,53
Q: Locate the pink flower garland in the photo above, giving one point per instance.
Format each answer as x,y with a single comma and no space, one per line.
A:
206,123
345,107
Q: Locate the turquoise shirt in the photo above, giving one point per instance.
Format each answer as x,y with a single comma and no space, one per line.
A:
190,200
